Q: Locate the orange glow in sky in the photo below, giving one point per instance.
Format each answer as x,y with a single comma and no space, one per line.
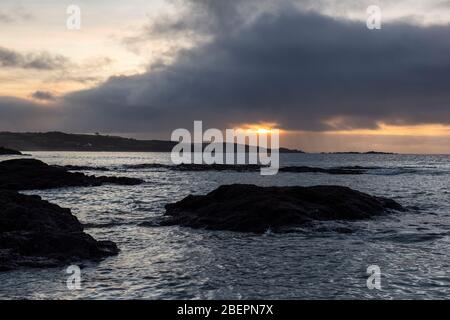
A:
424,130
260,128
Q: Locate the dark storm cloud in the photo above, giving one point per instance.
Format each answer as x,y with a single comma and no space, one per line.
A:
23,115
197,19
43,95
300,69
39,61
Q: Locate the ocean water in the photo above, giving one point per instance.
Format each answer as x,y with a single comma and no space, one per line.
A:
412,248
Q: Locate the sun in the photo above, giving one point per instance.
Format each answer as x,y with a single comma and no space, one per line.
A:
259,128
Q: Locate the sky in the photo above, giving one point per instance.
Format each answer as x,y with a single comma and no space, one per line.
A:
309,67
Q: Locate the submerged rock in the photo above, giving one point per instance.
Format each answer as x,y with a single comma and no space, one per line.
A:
36,233
249,208
31,174
6,151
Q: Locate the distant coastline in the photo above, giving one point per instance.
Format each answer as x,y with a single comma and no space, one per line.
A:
59,141
356,152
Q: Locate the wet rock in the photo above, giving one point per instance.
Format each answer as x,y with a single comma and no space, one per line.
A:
247,168
249,208
197,167
6,151
36,233
148,166
123,181
85,168
31,174
217,167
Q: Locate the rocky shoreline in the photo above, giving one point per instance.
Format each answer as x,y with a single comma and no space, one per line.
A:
36,233
31,174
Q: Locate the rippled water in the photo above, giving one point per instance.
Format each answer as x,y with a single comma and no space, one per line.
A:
412,248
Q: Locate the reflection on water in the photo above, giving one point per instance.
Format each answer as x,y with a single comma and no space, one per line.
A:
412,249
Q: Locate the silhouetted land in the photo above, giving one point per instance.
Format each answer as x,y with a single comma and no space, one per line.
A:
6,151
355,152
59,141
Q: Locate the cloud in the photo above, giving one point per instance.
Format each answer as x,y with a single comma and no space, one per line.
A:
4,17
298,68
23,115
443,4
38,61
44,95
14,14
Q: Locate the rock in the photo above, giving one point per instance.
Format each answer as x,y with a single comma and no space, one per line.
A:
148,166
85,168
247,168
304,169
197,167
31,174
123,181
217,167
6,151
248,208
36,233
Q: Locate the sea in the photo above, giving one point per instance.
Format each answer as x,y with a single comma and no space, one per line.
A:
410,249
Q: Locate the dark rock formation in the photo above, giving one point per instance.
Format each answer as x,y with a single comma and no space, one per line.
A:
197,167
247,168
6,151
84,168
31,174
36,233
217,167
249,208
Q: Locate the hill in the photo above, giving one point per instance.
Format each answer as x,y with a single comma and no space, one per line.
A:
59,141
